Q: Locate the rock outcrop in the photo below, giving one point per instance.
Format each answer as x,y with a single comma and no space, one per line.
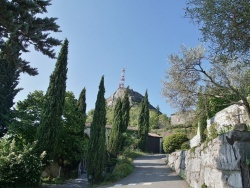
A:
216,164
134,97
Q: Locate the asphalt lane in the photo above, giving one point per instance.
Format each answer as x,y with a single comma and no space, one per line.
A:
151,171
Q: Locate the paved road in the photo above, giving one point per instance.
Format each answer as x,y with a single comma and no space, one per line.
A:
151,171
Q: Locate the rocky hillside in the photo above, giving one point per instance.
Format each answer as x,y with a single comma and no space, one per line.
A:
135,98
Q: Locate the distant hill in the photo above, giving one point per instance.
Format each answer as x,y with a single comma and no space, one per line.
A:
134,97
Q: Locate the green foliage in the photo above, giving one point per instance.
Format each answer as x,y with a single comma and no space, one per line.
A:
132,153
201,112
203,185
247,161
116,131
213,133
28,115
185,146
90,115
81,108
174,142
125,111
21,25
97,141
51,119
223,23
226,129
19,165
123,168
154,120
73,146
143,123
8,83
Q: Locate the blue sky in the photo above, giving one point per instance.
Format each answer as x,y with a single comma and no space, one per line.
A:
108,35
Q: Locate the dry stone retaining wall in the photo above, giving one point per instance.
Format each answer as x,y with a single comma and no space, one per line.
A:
216,163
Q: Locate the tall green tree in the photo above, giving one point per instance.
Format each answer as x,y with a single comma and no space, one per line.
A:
72,145
224,23
116,131
27,115
21,23
97,141
20,28
143,123
125,117
125,111
9,77
201,112
51,119
81,108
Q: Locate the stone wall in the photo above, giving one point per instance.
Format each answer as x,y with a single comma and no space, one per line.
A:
228,116
216,163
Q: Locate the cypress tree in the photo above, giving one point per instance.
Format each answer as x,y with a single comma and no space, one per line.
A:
81,108
50,124
125,111
125,117
116,131
202,112
97,141
143,123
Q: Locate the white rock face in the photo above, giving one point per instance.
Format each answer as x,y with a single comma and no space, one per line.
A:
213,163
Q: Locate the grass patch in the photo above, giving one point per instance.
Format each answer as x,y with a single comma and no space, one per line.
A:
46,181
123,167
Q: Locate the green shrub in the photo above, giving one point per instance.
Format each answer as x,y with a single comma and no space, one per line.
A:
18,163
123,168
185,146
173,142
132,153
203,185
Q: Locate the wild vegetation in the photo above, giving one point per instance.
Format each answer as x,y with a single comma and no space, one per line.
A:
50,128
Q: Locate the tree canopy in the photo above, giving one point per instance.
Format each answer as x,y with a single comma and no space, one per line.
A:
20,23
51,119
97,141
226,79
143,122
224,23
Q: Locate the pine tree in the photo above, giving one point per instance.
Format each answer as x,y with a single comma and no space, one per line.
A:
51,119
115,135
20,27
9,77
97,141
143,123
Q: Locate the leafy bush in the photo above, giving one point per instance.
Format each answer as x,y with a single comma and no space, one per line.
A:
173,142
132,153
123,168
18,163
185,146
